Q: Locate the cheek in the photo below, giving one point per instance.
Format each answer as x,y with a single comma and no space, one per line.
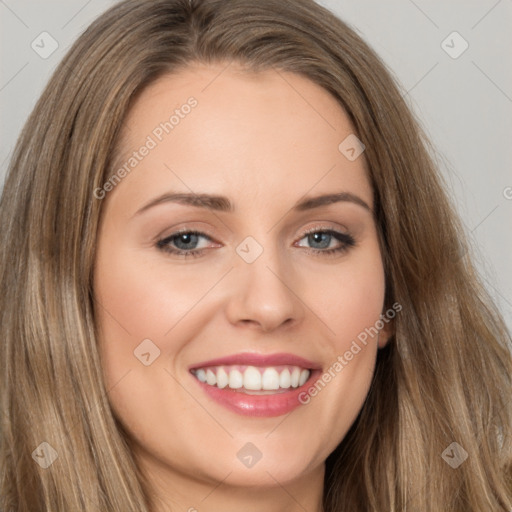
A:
136,302
348,297
350,303
146,300
359,303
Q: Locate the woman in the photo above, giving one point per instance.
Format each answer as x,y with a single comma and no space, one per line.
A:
231,279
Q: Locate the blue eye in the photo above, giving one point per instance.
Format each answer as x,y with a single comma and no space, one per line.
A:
323,239
186,243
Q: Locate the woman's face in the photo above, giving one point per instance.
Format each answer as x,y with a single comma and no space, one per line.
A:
266,285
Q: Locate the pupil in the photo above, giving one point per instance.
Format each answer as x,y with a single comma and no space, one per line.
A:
186,239
317,238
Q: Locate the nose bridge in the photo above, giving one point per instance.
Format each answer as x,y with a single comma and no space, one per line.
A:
263,283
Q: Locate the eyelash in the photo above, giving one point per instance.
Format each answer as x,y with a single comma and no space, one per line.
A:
347,242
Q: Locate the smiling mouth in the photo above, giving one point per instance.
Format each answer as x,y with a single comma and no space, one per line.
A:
253,380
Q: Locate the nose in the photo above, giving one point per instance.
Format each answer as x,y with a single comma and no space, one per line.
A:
263,295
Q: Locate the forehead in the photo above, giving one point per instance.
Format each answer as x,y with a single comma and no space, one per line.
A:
211,127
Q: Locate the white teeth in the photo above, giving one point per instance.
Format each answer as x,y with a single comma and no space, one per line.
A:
270,379
236,379
211,378
222,378
285,378
254,378
295,378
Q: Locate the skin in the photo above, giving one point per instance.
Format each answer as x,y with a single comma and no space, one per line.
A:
264,140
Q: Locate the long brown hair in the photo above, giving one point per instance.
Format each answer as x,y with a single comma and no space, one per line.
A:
444,377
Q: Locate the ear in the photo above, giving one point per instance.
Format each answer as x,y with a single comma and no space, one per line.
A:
385,334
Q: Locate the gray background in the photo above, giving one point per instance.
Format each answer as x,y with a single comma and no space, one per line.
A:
464,103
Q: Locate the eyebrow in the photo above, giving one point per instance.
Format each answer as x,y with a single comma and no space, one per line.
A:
223,204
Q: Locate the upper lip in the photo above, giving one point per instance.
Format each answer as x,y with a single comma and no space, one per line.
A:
252,359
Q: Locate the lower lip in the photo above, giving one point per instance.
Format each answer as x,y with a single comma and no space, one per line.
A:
276,404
